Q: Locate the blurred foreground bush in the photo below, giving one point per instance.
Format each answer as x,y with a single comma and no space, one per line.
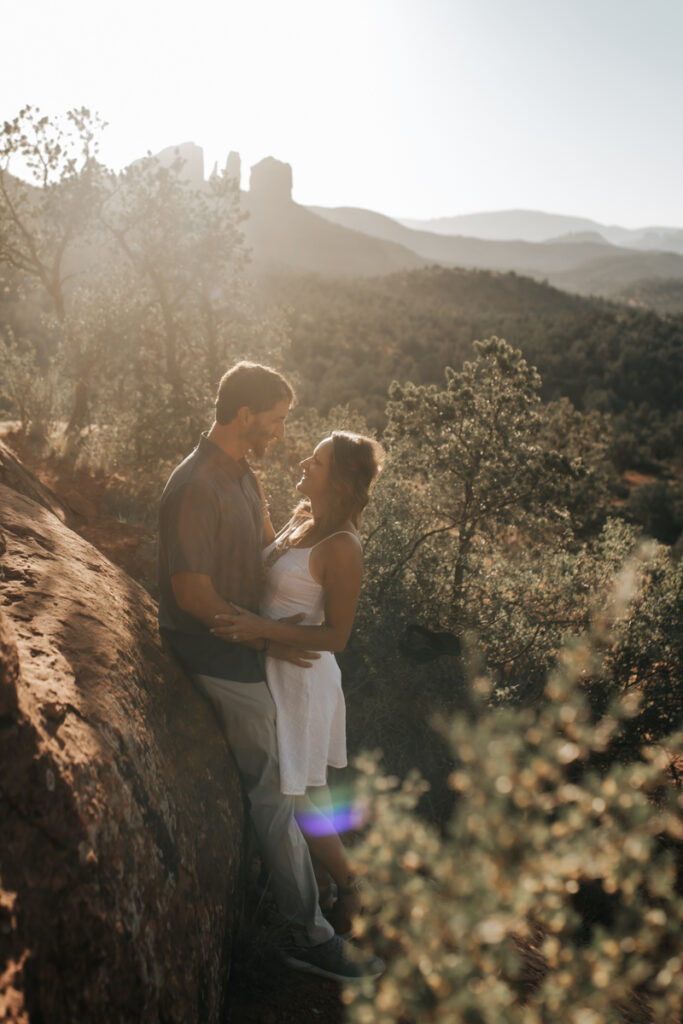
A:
553,893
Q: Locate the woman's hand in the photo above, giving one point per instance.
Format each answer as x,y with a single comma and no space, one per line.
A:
240,626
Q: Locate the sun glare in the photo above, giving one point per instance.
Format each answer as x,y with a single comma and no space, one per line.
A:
409,110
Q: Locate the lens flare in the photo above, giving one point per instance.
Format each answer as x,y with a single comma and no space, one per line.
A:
338,815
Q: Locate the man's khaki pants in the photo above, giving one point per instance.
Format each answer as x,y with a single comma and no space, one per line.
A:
247,714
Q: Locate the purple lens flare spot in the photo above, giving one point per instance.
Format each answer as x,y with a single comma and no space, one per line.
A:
336,819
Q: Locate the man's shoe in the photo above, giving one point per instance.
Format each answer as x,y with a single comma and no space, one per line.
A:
334,959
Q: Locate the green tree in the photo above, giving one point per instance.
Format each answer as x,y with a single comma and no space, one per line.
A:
184,249
174,256
49,178
474,458
50,186
30,388
475,553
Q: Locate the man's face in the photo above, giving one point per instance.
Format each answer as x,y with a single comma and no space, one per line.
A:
266,427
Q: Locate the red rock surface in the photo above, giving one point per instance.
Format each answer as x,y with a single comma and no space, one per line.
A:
121,818
14,474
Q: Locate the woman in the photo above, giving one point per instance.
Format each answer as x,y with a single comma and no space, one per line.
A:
314,569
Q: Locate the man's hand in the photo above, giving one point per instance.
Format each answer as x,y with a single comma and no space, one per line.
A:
231,627
294,655
240,626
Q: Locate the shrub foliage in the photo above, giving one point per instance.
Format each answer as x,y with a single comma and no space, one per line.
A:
551,893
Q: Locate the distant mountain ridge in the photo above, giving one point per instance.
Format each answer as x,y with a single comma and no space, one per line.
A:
582,262
469,251
537,226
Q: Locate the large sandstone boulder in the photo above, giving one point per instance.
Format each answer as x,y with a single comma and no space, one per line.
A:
14,474
121,817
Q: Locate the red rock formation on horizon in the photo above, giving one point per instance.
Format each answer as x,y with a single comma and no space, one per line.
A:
270,181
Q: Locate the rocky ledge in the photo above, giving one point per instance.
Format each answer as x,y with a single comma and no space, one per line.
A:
121,816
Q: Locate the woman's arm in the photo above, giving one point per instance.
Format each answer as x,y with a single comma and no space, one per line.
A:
342,570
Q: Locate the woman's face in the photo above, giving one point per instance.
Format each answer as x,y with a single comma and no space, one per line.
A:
315,477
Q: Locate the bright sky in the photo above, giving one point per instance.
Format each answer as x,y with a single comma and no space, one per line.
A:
414,108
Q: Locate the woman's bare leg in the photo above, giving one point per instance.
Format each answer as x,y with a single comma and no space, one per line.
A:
314,814
324,881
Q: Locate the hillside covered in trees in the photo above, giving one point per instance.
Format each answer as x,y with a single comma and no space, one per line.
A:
350,339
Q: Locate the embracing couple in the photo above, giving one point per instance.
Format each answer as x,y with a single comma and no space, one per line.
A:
254,618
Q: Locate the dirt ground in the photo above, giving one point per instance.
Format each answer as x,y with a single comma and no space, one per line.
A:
85,494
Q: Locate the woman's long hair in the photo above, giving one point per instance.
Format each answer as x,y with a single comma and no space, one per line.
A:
355,464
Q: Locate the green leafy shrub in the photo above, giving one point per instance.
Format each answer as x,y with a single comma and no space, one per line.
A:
644,652
31,392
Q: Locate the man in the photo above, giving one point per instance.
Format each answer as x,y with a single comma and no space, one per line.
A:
211,536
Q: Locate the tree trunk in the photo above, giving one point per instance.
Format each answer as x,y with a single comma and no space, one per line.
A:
78,419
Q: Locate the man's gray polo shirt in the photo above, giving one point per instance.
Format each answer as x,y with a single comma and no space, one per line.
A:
211,522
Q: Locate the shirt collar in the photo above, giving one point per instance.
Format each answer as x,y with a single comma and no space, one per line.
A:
235,468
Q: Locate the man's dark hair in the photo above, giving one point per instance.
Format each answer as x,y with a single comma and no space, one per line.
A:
258,387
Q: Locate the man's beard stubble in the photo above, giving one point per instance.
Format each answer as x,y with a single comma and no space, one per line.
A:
258,441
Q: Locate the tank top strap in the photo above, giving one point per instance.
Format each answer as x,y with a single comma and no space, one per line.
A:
335,534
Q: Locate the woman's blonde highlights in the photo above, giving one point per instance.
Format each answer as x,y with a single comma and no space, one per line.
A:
354,467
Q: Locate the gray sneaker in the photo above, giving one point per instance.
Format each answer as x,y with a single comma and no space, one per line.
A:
334,959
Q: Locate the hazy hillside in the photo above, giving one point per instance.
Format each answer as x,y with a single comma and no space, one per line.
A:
581,261
611,274
536,226
290,237
666,239
578,236
524,225
351,338
526,257
665,296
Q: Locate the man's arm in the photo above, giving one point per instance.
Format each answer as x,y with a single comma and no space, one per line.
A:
196,595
